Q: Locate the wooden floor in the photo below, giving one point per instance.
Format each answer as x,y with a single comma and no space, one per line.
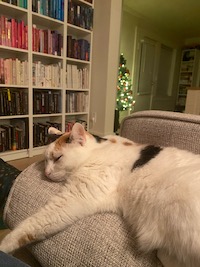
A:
22,164
23,254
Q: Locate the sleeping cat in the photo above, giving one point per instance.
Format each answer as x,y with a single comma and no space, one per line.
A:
155,189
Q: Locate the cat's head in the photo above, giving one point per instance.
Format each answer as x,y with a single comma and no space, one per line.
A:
67,152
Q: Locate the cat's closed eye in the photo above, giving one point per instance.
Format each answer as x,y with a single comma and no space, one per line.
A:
56,159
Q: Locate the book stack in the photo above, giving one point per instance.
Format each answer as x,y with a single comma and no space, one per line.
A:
76,102
78,48
13,71
46,101
80,15
77,78
52,8
13,101
20,3
40,132
13,33
14,136
47,41
47,75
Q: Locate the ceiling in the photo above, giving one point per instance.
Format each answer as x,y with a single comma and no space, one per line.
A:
180,17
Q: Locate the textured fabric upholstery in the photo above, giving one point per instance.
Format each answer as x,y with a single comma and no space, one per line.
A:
102,239
163,128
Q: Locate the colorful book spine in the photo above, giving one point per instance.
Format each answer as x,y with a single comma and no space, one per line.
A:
19,3
46,101
13,33
79,49
51,8
47,41
13,71
80,15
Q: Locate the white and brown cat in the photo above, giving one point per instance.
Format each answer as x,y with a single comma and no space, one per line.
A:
156,190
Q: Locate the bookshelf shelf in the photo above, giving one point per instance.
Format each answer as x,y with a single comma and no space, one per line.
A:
74,60
13,117
46,115
45,20
76,113
75,30
85,3
79,90
13,86
188,76
14,50
12,9
40,54
46,88
35,122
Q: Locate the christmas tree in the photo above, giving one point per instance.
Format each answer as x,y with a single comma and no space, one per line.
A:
124,92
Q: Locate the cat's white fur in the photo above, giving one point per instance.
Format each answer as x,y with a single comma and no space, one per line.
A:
160,200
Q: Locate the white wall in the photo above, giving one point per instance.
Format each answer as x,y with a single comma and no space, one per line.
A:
105,57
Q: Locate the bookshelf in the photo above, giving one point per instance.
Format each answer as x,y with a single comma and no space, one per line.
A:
189,75
45,71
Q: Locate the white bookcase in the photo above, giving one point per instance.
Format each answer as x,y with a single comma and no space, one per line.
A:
189,75
66,93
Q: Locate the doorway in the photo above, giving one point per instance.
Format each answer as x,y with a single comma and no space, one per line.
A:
155,64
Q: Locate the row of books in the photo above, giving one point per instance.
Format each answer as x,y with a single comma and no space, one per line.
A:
76,102
46,101
40,131
77,78
13,101
13,32
20,3
13,71
47,41
47,75
80,15
52,8
78,48
14,136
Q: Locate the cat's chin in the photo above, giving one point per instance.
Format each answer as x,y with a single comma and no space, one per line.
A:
57,179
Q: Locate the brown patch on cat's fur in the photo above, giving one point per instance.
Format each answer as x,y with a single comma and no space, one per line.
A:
28,238
113,140
59,142
127,143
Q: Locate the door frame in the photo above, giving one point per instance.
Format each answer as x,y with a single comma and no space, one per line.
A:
139,35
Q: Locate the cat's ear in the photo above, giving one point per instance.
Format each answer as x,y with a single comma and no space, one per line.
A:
53,130
78,134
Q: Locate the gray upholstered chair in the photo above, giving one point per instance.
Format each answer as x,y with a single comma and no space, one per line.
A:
103,239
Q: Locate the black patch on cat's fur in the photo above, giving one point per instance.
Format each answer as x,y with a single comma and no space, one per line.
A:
148,153
99,139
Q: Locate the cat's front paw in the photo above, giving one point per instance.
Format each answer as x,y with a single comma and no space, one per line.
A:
5,249
7,246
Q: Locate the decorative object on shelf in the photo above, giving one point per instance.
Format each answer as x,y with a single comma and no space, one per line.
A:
124,98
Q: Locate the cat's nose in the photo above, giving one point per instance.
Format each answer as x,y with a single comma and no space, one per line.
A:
47,173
